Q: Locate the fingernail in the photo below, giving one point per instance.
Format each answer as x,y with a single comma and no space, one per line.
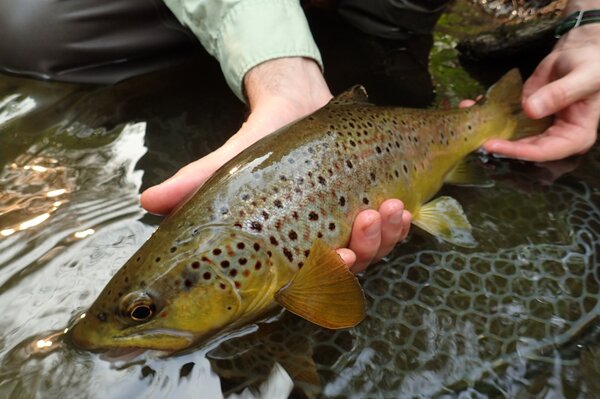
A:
536,105
373,229
396,217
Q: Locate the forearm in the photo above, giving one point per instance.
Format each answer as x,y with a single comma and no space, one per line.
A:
244,33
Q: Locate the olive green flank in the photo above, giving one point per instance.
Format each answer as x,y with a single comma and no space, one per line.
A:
261,233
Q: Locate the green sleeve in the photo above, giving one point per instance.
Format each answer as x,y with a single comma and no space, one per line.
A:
243,33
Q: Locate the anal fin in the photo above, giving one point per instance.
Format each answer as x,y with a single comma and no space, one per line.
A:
324,291
444,218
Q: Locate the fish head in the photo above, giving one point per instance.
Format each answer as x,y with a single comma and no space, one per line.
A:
170,298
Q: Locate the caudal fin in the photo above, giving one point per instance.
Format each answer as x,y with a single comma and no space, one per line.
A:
505,95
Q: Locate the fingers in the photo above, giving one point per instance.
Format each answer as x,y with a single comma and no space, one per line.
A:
549,146
394,226
466,103
374,234
365,238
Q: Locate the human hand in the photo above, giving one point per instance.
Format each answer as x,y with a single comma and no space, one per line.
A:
566,84
280,91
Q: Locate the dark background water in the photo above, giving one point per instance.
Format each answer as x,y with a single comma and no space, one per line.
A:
513,317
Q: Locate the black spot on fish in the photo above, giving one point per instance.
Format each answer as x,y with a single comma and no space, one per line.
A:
273,241
378,149
469,127
293,235
256,246
265,215
320,235
352,143
216,252
238,225
206,276
222,286
405,168
300,264
307,252
278,203
255,226
195,265
233,272
396,173
365,201
257,265
372,175
195,232
322,180
224,211
173,249
126,279
313,216
288,254
342,201
188,283
138,259
349,164
331,226
295,215
245,197
282,178
242,261
157,259
225,264
241,245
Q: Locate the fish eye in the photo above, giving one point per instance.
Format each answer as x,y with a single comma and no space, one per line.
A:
138,306
141,312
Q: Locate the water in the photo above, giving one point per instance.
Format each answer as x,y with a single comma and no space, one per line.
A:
514,317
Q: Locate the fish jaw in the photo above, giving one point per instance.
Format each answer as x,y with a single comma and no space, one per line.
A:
88,338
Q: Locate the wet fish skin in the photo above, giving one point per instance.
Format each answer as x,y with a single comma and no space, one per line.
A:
218,261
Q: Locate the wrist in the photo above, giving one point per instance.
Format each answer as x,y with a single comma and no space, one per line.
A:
295,83
583,5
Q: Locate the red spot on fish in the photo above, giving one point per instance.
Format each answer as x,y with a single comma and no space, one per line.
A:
246,273
237,284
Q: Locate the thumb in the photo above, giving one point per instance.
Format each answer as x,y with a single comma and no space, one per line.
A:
559,94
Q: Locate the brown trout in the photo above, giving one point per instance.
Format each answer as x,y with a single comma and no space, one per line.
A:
261,231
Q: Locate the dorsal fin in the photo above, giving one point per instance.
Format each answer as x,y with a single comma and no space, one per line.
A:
355,95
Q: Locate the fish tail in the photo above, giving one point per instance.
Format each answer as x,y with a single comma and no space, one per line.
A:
504,97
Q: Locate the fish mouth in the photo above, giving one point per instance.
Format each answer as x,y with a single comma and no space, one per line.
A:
158,339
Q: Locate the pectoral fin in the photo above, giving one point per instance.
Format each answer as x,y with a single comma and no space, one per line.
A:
467,173
324,291
444,218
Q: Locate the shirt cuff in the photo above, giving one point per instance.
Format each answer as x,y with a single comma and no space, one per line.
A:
255,31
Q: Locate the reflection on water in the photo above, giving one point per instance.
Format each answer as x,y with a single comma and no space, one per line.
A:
514,317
